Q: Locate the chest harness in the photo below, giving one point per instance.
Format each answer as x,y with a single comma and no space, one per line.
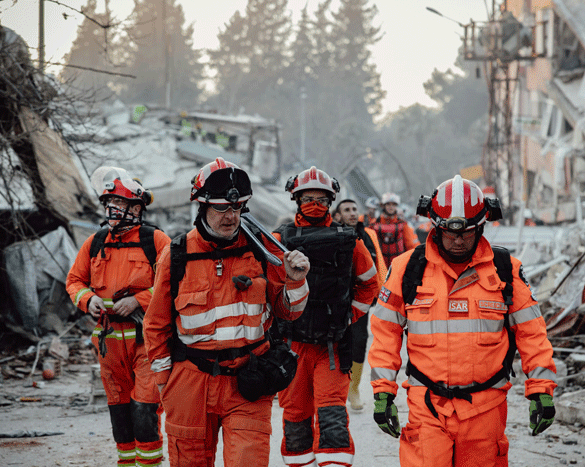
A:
413,278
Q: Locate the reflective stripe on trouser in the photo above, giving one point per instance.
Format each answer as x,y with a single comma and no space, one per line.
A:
197,404
315,420
128,380
126,454
450,442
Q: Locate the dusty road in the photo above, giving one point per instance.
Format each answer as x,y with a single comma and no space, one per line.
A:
86,439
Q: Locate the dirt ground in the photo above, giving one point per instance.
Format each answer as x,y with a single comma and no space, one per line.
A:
86,439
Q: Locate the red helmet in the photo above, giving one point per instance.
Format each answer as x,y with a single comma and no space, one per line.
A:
458,204
114,181
221,182
312,179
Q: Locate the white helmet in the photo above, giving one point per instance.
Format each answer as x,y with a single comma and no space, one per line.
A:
372,202
390,198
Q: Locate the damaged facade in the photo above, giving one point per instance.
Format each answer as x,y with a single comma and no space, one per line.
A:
549,110
42,190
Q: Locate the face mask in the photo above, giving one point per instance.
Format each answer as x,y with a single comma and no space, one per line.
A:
314,210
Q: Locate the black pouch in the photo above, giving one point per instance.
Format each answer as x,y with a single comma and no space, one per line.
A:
269,373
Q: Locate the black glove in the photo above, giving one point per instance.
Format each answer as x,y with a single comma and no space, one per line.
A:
242,282
542,412
386,414
104,322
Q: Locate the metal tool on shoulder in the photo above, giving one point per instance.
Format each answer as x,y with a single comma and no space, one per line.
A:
250,219
271,258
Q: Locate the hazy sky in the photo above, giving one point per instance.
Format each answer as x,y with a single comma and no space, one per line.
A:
415,41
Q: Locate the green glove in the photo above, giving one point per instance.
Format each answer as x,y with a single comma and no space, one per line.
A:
542,412
386,414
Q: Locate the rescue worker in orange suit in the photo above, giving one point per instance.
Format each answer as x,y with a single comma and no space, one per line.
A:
112,281
468,296
394,234
369,217
348,215
200,342
342,283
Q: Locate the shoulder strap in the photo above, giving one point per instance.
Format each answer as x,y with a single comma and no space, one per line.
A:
97,243
146,233
503,265
178,262
413,274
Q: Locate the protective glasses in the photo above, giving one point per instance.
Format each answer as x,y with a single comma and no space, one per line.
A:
308,199
465,235
236,207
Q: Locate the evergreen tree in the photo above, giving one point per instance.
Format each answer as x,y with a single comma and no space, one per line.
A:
162,51
95,48
353,34
251,58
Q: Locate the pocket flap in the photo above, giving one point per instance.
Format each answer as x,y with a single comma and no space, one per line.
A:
137,256
424,302
193,298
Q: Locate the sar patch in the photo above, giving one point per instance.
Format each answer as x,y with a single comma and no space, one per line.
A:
384,295
458,306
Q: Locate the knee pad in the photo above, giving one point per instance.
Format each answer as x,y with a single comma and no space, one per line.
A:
298,436
333,429
121,423
144,421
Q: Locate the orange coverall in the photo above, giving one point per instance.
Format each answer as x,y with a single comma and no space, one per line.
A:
213,315
456,336
126,375
395,241
315,419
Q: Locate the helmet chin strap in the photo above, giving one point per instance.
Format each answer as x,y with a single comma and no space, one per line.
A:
124,222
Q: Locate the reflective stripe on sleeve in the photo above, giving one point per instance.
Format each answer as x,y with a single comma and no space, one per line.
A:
524,315
383,373
389,315
368,274
80,294
298,297
361,306
543,373
161,364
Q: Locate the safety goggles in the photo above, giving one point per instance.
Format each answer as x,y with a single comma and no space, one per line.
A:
236,207
465,235
307,199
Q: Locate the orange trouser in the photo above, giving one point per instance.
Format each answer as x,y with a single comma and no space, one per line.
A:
133,397
450,442
197,404
316,423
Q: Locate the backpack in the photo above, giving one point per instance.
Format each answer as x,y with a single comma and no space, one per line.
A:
328,310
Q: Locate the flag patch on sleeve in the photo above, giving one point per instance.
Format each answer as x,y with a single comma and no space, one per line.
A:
384,295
